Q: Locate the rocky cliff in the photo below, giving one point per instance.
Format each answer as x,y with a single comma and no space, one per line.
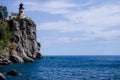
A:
23,45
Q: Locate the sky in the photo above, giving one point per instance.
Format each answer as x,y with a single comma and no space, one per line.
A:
74,27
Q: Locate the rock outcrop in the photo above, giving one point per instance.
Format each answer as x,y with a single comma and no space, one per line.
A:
24,46
2,77
13,73
5,61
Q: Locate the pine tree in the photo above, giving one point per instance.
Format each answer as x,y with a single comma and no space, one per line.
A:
5,33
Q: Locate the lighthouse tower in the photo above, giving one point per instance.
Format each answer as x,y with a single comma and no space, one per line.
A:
21,10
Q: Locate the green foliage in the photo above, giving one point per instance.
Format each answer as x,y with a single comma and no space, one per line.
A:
3,12
5,33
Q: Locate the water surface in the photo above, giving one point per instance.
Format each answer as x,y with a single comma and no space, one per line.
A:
68,68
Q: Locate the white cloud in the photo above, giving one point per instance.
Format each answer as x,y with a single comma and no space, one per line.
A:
49,41
101,21
62,26
103,15
51,6
104,37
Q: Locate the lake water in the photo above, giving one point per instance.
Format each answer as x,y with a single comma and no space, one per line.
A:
68,68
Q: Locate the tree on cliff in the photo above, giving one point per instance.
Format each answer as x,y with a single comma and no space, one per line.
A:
5,33
3,12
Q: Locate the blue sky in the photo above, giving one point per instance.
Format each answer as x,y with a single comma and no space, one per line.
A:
74,27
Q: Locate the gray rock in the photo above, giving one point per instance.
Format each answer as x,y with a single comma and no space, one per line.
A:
2,77
16,59
25,37
28,59
5,61
13,73
37,55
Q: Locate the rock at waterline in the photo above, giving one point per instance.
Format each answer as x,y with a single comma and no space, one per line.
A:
5,61
16,59
2,77
13,73
37,55
28,59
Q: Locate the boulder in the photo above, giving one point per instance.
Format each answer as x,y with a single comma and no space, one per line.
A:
38,56
28,59
2,77
13,73
5,61
16,59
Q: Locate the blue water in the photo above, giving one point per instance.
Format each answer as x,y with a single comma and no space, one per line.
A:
68,68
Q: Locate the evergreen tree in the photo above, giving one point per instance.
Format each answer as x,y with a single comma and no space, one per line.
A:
3,12
5,33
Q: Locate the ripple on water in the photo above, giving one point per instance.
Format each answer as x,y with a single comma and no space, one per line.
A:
68,68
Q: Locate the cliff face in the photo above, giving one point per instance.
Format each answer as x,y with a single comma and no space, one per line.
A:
24,46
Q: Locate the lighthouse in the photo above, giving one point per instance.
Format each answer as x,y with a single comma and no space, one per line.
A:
21,10
20,14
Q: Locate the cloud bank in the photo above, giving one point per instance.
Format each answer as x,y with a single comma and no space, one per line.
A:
94,21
